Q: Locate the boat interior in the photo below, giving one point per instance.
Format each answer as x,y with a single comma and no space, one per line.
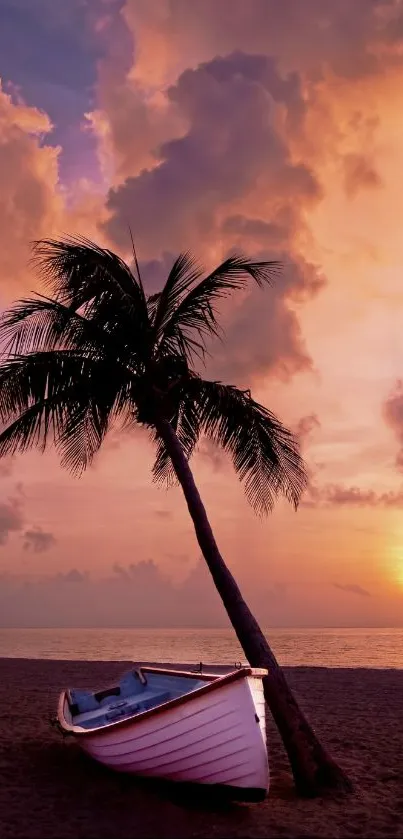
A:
137,691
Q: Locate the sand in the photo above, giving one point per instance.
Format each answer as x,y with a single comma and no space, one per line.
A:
49,788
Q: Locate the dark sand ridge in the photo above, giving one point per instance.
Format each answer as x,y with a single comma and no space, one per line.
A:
49,788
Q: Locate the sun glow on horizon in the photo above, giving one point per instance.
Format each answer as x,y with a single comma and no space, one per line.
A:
399,571
396,564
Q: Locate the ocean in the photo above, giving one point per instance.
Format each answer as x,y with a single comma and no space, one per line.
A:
307,647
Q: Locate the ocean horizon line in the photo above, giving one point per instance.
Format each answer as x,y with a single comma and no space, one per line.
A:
327,646
180,627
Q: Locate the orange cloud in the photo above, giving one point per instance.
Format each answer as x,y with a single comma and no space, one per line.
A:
350,39
33,202
151,44
30,203
359,173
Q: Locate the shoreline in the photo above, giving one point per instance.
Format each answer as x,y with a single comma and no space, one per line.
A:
49,788
129,662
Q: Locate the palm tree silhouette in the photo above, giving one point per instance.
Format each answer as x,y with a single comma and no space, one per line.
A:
98,352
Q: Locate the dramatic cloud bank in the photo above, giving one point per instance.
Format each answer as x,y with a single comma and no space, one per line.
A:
258,126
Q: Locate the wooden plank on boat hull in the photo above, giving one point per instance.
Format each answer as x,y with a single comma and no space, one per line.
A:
172,725
216,729
209,741
186,755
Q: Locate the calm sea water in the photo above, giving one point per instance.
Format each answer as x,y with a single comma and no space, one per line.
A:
320,647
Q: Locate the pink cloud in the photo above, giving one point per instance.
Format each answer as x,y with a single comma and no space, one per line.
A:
359,173
336,495
392,410
306,425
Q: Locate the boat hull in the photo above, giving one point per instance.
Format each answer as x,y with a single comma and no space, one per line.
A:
217,737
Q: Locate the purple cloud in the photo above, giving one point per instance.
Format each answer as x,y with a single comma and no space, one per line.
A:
11,519
344,496
236,150
352,588
38,540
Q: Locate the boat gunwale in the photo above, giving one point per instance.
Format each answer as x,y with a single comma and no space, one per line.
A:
214,682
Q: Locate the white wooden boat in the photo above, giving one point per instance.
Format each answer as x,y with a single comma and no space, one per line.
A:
205,727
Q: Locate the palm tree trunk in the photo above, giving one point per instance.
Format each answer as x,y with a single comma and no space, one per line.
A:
313,768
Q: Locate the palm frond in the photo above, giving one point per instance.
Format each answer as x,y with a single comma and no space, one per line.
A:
44,324
76,269
162,470
43,397
152,303
33,397
186,423
31,378
193,311
30,429
182,275
87,425
265,454
83,275
137,267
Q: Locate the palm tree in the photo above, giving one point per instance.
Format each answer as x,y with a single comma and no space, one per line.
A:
98,352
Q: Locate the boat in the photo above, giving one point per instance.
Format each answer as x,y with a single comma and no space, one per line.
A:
203,725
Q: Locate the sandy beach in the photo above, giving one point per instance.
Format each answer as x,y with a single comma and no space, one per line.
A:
48,788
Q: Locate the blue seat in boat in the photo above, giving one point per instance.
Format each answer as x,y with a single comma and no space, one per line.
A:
129,685
121,710
147,695
84,700
139,704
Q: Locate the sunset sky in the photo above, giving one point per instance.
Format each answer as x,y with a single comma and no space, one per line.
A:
275,127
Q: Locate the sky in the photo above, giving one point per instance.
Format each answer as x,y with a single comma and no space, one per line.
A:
271,127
